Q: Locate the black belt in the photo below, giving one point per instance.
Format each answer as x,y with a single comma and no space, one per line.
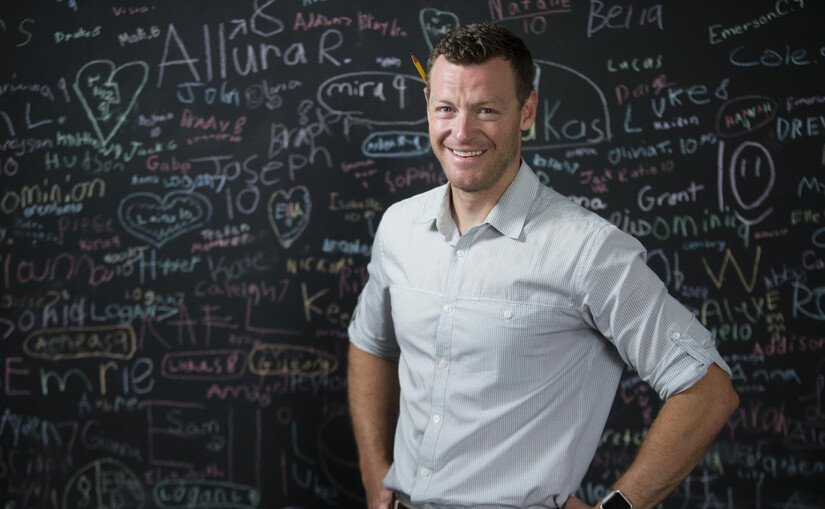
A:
397,503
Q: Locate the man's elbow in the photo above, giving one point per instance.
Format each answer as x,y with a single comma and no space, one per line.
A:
719,397
725,398
732,399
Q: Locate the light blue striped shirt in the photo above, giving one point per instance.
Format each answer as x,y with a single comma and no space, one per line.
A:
511,340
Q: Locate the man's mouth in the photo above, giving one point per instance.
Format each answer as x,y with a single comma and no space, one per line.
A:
471,153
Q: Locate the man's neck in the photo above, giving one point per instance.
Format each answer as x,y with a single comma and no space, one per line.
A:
472,208
468,211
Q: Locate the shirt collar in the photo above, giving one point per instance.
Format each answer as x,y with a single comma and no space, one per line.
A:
510,213
507,216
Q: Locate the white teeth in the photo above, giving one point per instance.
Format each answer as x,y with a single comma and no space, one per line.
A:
468,154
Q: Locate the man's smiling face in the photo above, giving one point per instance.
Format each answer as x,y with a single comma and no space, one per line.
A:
475,123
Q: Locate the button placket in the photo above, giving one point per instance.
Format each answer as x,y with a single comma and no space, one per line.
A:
428,456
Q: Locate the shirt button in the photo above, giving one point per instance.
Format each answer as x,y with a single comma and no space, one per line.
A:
447,308
508,314
442,363
676,335
425,471
460,253
436,418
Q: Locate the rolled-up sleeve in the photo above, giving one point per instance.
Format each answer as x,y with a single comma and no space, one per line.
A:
371,328
628,303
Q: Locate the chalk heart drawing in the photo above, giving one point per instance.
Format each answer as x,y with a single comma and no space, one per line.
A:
435,23
289,213
158,220
109,93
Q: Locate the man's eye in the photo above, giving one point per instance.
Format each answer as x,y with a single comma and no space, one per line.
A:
445,109
486,110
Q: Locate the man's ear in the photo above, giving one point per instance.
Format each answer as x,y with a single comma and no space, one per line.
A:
528,111
427,96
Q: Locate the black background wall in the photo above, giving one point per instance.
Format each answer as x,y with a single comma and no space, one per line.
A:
190,191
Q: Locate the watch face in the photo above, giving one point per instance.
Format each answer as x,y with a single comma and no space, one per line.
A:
616,501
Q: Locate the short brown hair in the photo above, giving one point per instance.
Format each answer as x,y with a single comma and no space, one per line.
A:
476,43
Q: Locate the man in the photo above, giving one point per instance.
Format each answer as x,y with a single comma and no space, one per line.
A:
498,317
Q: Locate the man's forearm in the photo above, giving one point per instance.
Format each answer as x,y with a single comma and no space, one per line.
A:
678,439
373,400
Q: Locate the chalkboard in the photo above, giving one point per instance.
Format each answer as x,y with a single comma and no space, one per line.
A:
190,191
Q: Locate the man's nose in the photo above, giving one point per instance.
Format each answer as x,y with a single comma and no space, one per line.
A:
463,127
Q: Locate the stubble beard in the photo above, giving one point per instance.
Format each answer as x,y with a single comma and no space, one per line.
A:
487,179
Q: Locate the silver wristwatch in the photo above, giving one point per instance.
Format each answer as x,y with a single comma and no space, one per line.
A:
616,500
